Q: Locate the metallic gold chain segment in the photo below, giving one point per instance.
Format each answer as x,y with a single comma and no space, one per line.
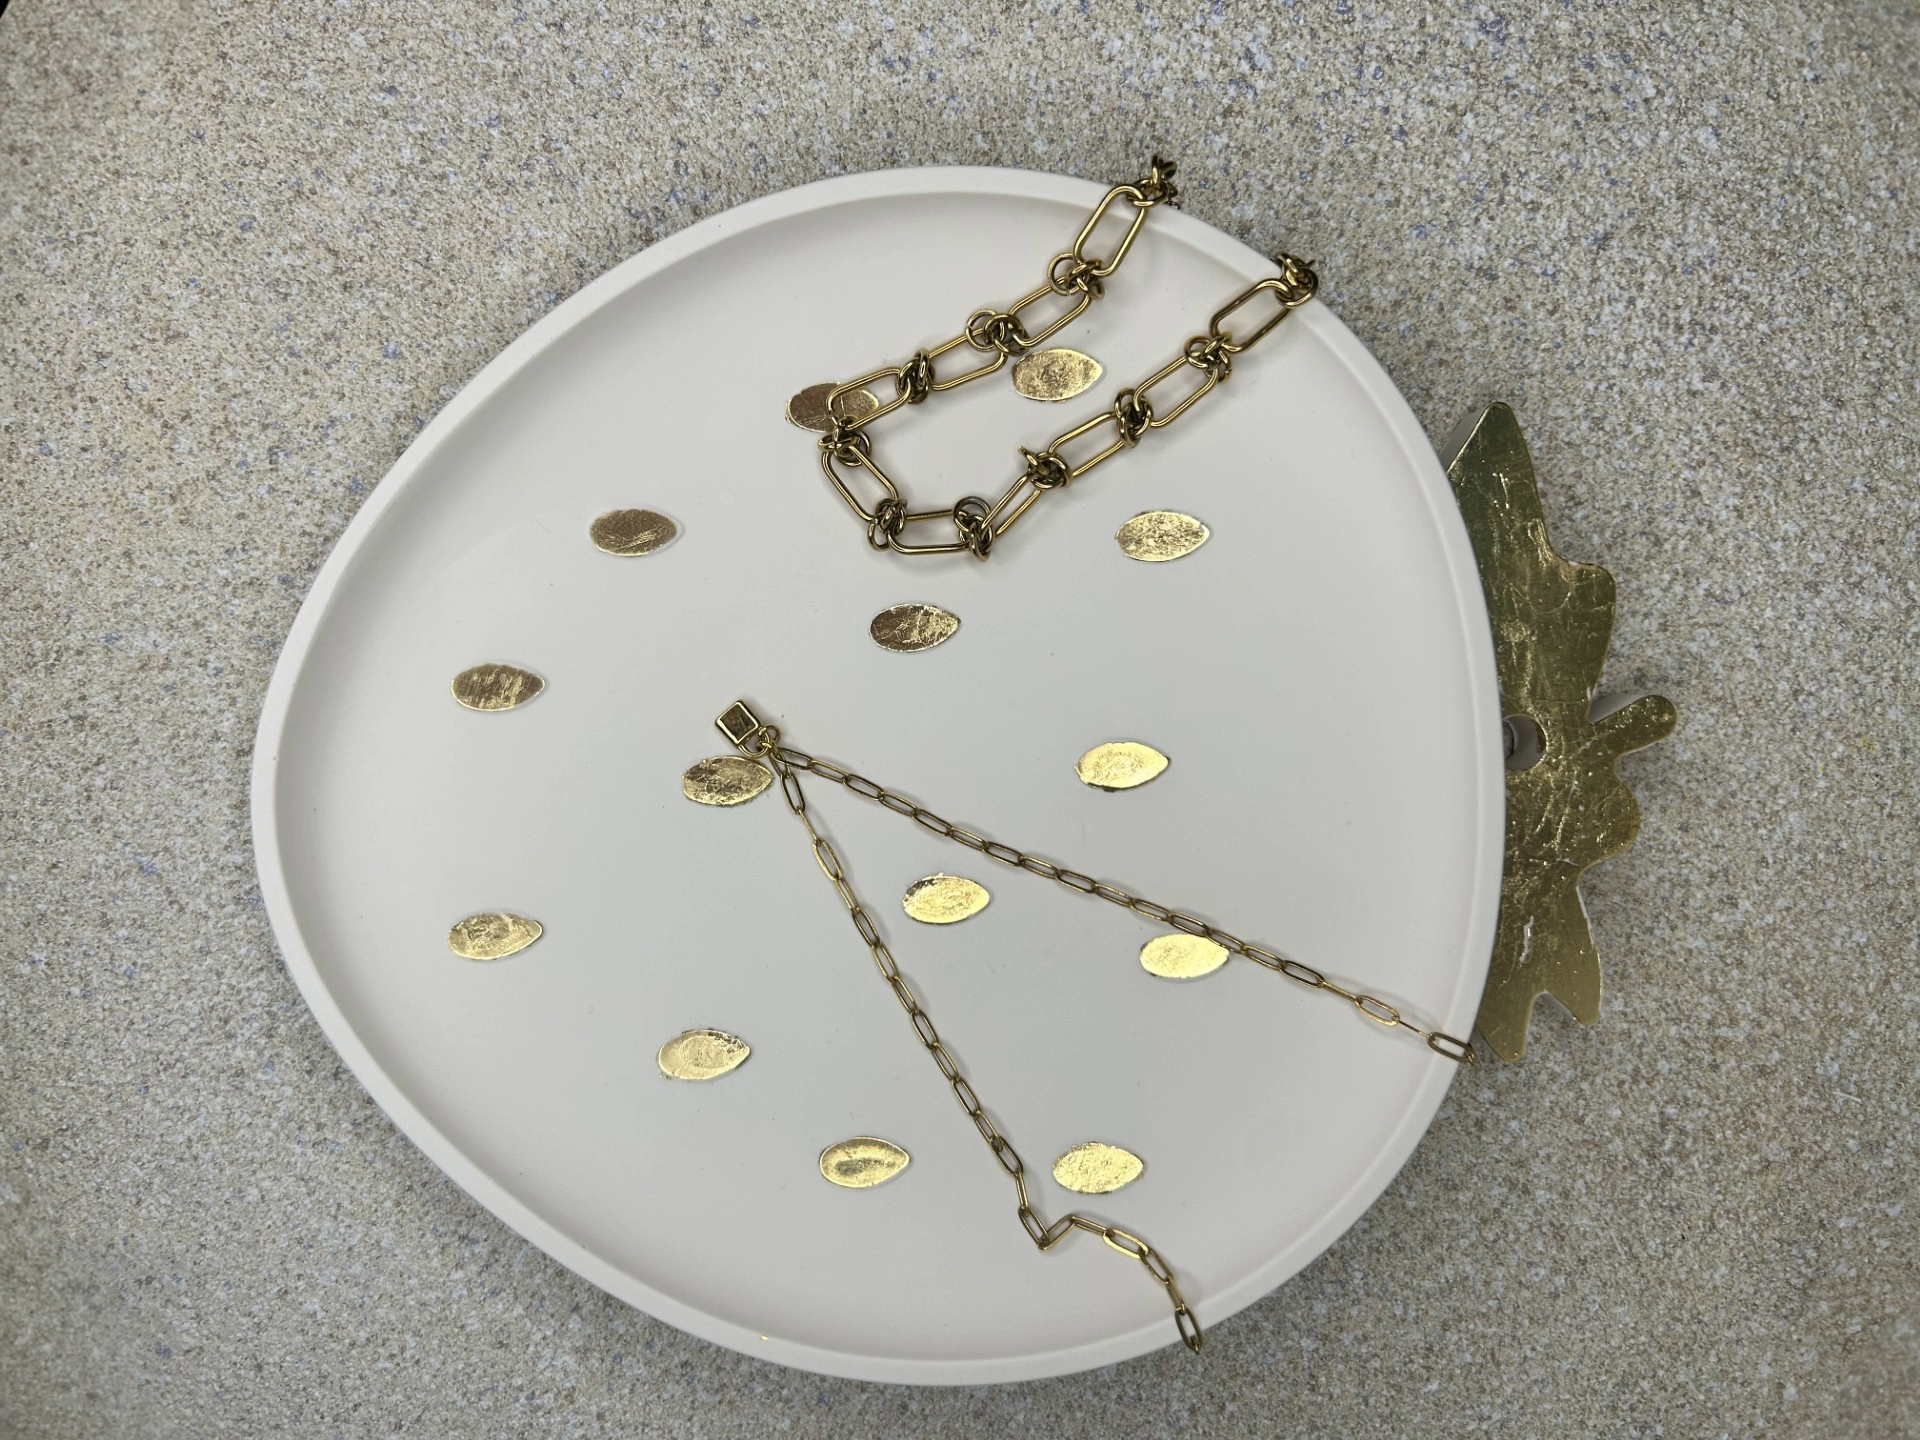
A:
847,447
1375,1009
1003,333
977,523
762,742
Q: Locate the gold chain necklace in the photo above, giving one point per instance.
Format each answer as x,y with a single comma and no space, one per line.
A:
747,733
1079,278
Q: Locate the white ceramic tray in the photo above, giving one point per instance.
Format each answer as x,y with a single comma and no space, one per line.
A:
1320,673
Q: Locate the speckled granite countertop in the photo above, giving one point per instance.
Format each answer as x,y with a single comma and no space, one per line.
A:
248,249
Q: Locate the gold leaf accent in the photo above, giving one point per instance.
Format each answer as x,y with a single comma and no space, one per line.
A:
908,628
1097,1169
725,780
1121,765
1182,957
808,409
1568,810
1160,535
1056,374
493,935
496,687
702,1055
632,532
862,1162
945,899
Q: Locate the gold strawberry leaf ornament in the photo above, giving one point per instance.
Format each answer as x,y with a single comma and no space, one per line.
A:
1566,808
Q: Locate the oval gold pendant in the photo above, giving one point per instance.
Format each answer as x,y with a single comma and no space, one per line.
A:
496,687
632,532
1182,957
1097,1169
725,780
493,935
1056,374
1120,765
1157,536
945,899
808,409
908,628
862,1162
702,1055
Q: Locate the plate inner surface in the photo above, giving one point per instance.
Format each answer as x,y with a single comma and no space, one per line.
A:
1317,673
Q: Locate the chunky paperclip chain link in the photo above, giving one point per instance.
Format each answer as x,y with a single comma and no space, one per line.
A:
762,742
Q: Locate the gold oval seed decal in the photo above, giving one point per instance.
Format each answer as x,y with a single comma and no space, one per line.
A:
725,780
1097,1169
908,628
496,687
808,409
632,532
702,1054
1159,535
1121,765
1057,374
862,1162
1182,957
493,935
945,899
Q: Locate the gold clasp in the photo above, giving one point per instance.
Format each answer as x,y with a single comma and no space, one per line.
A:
740,725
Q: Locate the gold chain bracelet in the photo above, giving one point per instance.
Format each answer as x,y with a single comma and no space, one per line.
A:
846,446
1003,333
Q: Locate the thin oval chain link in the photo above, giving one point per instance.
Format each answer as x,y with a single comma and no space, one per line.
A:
763,743
1375,1009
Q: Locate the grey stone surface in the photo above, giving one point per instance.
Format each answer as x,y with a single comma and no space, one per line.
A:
246,251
